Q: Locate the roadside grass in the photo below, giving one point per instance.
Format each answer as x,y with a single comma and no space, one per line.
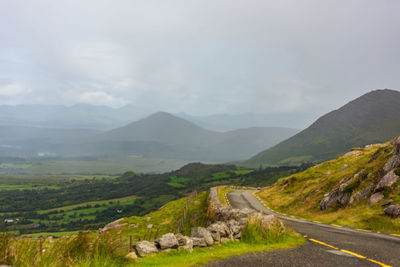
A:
301,193
53,234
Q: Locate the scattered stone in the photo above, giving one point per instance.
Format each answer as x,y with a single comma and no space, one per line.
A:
327,173
134,225
388,180
375,198
167,241
112,225
132,255
144,248
202,232
392,211
147,219
353,153
199,242
387,203
149,226
345,166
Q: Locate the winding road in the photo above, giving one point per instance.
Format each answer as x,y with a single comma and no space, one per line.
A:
326,245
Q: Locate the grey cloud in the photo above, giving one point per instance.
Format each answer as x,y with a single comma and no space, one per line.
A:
200,57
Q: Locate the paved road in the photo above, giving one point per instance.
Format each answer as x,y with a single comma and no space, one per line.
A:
326,245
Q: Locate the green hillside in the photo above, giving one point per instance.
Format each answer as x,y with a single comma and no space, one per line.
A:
371,118
352,190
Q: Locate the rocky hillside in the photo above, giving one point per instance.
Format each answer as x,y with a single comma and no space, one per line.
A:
371,118
359,189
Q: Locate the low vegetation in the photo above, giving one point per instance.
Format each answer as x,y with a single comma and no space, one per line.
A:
104,249
54,205
300,194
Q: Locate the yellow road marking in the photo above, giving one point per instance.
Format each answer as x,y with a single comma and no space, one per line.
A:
336,225
322,243
395,235
364,230
305,235
378,262
354,254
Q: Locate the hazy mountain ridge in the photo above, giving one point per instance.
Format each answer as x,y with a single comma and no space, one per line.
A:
371,118
161,135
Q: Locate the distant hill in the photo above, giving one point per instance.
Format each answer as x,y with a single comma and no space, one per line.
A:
371,118
186,140
160,135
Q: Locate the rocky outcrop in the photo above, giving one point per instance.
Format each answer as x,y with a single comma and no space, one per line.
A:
144,248
167,241
113,225
131,255
394,161
339,196
392,211
388,180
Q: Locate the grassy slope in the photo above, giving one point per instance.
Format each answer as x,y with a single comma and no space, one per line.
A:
93,249
301,193
368,119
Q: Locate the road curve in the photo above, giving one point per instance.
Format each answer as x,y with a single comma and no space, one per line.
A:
326,245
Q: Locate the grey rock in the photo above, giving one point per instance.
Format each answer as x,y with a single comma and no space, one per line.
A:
112,225
362,194
202,232
220,228
167,241
392,211
144,248
375,198
199,242
387,203
149,226
234,227
388,180
181,239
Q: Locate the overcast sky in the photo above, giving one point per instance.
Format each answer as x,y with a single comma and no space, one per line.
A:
198,56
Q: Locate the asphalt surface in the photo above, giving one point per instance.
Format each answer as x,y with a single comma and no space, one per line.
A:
326,245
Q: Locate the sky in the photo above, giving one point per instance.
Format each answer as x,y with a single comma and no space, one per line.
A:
199,57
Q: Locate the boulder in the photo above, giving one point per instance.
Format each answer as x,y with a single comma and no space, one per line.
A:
375,198
167,241
394,161
265,221
147,219
181,239
198,242
132,255
188,244
202,232
144,248
234,227
392,211
388,180
149,226
345,166
112,225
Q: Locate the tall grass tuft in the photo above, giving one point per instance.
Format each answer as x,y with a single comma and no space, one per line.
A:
255,232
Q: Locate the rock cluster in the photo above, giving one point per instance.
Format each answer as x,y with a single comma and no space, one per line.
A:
343,195
226,225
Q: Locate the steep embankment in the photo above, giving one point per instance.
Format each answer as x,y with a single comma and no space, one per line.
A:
371,118
359,189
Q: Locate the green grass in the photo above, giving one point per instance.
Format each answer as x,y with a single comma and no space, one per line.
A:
122,201
301,193
242,171
53,234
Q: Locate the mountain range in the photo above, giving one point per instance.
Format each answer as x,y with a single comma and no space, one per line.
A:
371,118
160,135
